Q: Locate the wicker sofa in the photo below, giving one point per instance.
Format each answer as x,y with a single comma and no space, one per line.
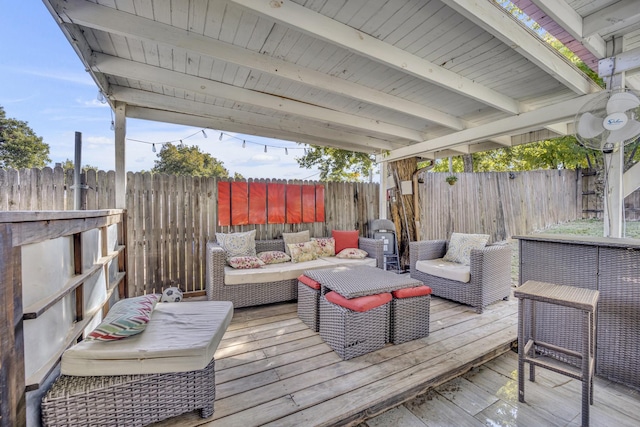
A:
272,289
490,273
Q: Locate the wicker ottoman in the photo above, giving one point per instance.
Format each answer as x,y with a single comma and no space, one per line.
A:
354,331
128,400
410,314
308,301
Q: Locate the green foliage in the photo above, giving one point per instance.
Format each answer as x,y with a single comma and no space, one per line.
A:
338,165
20,147
188,161
68,164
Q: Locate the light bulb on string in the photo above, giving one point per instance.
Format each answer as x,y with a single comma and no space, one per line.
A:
153,148
204,133
265,148
244,144
220,139
113,125
286,152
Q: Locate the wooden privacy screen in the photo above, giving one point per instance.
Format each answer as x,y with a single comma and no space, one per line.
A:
242,203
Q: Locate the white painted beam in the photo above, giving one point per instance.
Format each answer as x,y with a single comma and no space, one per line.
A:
612,18
156,75
495,20
233,120
120,151
530,120
317,25
125,24
565,16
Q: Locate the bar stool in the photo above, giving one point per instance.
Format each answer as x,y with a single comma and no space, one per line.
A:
582,299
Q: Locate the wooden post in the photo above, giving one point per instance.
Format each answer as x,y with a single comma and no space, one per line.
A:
12,380
121,172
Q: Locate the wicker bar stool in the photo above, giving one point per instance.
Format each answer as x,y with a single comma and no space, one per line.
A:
586,301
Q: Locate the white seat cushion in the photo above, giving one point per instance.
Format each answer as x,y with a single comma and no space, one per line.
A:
445,269
285,270
180,337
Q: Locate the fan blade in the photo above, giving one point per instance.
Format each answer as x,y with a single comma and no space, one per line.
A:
629,131
589,126
621,102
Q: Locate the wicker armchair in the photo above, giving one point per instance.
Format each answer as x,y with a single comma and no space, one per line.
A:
490,273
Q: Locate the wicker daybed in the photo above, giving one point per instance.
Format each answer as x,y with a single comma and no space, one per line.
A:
265,287
490,273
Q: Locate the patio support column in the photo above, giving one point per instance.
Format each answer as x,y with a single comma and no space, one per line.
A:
121,173
384,182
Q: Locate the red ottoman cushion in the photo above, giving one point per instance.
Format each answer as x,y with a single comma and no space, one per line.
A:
418,291
360,304
309,282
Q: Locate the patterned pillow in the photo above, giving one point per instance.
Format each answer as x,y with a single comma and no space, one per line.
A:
244,262
352,253
461,244
126,318
326,246
301,252
238,244
274,257
299,237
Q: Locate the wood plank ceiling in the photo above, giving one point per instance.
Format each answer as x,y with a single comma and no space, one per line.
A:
397,78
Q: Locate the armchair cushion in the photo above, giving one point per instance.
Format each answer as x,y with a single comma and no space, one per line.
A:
461,244
445,269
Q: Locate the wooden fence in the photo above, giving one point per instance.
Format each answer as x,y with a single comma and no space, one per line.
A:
170,218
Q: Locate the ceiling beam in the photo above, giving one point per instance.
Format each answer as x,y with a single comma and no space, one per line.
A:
147,73
565,16
612,18
525,121
317,25
107,19
497,21
226,119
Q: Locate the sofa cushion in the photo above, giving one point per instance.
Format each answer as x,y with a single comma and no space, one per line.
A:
445,269
126,318
274,257
352,253
326,246
238,244
345,239
245,262
460,246
302,252
299,237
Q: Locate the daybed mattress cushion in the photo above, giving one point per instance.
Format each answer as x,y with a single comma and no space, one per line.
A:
180,337
286,271
445,269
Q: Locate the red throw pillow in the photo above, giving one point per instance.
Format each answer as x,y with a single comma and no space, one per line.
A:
345,239
359,304
309,282
418,291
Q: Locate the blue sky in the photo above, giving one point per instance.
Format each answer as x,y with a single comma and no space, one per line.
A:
43,82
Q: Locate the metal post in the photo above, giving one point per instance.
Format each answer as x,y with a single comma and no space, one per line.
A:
77,166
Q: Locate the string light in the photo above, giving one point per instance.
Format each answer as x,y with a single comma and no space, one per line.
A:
113,125
222,134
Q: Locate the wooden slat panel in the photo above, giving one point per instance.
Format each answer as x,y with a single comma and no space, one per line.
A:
275,203
308,203
320,203
294,204
257,203
239,203
224,203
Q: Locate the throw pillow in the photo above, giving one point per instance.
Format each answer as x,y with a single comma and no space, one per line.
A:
352,253
238,244
126,318
326,246
299,237
301,252
244,262
274,257
345,239
460,246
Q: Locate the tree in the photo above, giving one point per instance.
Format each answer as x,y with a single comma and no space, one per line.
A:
188,161
338,165
20,147
68,164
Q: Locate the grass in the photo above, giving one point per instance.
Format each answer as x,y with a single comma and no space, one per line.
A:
583,227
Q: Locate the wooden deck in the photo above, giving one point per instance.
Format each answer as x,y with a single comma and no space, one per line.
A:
271,369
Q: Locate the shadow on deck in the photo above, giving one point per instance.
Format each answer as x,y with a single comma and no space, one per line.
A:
271,369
